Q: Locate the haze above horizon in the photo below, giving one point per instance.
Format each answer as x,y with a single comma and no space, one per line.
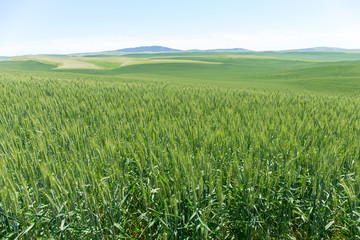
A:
40,26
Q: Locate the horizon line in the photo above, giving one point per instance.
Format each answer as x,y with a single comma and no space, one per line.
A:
330,49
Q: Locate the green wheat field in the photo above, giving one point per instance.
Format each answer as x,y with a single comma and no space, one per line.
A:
262,145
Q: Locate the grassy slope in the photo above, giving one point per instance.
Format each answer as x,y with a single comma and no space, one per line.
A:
25,65
304,71
338,77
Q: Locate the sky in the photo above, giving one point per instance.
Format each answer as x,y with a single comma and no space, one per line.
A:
73,26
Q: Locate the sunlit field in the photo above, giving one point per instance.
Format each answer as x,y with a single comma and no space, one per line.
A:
181,146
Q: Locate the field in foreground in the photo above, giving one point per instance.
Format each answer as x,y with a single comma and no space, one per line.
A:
105,157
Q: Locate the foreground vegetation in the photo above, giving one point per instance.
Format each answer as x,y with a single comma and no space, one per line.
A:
94,157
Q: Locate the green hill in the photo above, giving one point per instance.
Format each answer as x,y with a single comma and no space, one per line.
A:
325,72
25,65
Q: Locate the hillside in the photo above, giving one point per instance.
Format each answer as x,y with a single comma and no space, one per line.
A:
320,72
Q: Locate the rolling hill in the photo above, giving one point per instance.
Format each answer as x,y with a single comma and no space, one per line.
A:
330,72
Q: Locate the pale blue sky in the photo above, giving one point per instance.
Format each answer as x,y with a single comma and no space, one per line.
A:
67,26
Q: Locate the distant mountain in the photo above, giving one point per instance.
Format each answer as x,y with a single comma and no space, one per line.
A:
221,50
148,49
160,49
320,49
151,49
